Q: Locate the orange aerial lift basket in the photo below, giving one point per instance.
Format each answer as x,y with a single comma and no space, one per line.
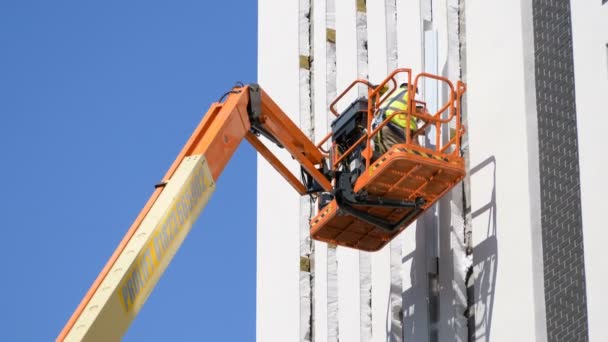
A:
376,196
365,197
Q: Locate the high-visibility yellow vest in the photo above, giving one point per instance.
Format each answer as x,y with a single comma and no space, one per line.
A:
398,102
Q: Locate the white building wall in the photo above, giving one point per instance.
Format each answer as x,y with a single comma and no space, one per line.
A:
497,44
590,43
320,264
399,273
278,216
503,176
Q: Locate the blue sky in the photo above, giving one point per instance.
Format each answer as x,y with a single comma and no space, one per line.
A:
96,100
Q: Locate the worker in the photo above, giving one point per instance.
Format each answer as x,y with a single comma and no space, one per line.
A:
394,131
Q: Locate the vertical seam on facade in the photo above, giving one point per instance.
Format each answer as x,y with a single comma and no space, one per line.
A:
332,261
453,259
365,262
395,315
466,183
306,204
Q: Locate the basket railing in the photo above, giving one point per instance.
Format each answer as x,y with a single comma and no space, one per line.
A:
447,117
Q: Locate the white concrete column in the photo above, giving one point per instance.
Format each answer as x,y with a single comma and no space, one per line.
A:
278,241
377,44
415,305
349,311
502,171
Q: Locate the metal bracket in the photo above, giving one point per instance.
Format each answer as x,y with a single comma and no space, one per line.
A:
255,102
254,109
346,199
160,185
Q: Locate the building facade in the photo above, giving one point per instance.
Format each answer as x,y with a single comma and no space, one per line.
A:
515,251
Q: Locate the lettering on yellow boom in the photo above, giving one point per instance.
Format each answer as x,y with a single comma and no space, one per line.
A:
177,218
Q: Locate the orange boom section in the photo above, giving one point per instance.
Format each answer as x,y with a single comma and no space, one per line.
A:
246,113
369,209
365,197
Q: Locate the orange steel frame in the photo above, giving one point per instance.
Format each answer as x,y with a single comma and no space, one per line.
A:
217,137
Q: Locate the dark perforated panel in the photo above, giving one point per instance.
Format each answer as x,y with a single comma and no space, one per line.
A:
562,235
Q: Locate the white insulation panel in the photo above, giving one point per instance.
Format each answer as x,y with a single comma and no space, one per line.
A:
320,290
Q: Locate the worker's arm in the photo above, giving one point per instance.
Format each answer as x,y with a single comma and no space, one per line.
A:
125,282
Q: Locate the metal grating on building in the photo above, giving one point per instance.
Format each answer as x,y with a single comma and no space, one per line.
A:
562,231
